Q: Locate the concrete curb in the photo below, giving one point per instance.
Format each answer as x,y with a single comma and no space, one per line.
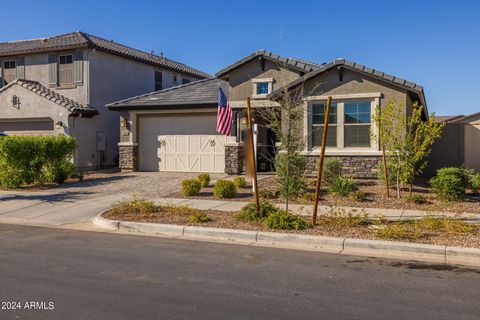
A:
360,247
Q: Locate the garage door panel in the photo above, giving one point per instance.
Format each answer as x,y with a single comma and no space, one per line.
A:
185,143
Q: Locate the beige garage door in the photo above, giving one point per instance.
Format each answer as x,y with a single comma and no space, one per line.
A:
185,143
28,126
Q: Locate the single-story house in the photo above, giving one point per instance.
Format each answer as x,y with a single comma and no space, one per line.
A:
174,129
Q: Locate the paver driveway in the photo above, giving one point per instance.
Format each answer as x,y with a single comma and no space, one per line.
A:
78,203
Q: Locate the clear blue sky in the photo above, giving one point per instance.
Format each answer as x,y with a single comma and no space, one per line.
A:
433,43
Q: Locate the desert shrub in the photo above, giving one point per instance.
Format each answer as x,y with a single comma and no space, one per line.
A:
204,179
199,217
224,189
417,198
282,219
398,231
135,206
342,186
249,211
391,172
35,160
474,183
342,218
290,169
450,184
359,196
240,182
179,209
332,168
267,194
445,225
309,196
191,187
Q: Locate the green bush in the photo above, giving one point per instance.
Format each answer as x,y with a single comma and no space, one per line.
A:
309,196
267,194
199,217
282,219
35,160
204,179
392,177
135,206
249,212
342,186
450,184
224,189
290,169
332,168
417,198
191,187
359,196
60,171
240,182
474,183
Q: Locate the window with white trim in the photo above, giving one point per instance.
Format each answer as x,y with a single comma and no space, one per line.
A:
357,124
318,122
349,124
262,87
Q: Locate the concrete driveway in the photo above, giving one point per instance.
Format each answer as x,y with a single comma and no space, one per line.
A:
78,203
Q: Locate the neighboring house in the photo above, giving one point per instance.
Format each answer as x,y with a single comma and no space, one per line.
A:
174,129
61,84
459,145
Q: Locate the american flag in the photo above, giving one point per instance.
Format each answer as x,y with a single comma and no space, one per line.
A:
225,114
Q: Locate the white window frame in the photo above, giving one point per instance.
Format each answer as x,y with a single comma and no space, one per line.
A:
340,100
261,80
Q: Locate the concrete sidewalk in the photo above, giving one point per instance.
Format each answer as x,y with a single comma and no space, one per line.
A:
306,210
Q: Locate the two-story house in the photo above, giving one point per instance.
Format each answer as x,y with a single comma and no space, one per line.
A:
174,129
61,84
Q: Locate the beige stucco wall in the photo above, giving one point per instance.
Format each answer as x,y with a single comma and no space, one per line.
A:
113,78
240,79
32,106
329,83
36,68
472,145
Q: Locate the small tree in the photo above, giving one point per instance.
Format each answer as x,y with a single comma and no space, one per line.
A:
407,140
285,118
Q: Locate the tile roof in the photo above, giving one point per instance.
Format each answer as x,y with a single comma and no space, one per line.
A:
82,40
359,68
74,107
447,118
201,92
294,63
466,119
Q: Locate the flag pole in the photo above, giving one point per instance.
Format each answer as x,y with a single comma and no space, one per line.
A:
322,156
254,176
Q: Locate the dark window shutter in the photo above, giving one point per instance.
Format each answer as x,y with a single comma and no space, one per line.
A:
78,67
1,74
20,67
53,70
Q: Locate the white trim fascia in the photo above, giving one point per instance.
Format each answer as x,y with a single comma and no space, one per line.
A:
346,96
173,111
256,80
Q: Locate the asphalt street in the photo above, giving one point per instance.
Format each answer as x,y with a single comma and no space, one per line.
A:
63,274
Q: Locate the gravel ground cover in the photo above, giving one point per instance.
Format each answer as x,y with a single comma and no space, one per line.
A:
373,189
341,224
